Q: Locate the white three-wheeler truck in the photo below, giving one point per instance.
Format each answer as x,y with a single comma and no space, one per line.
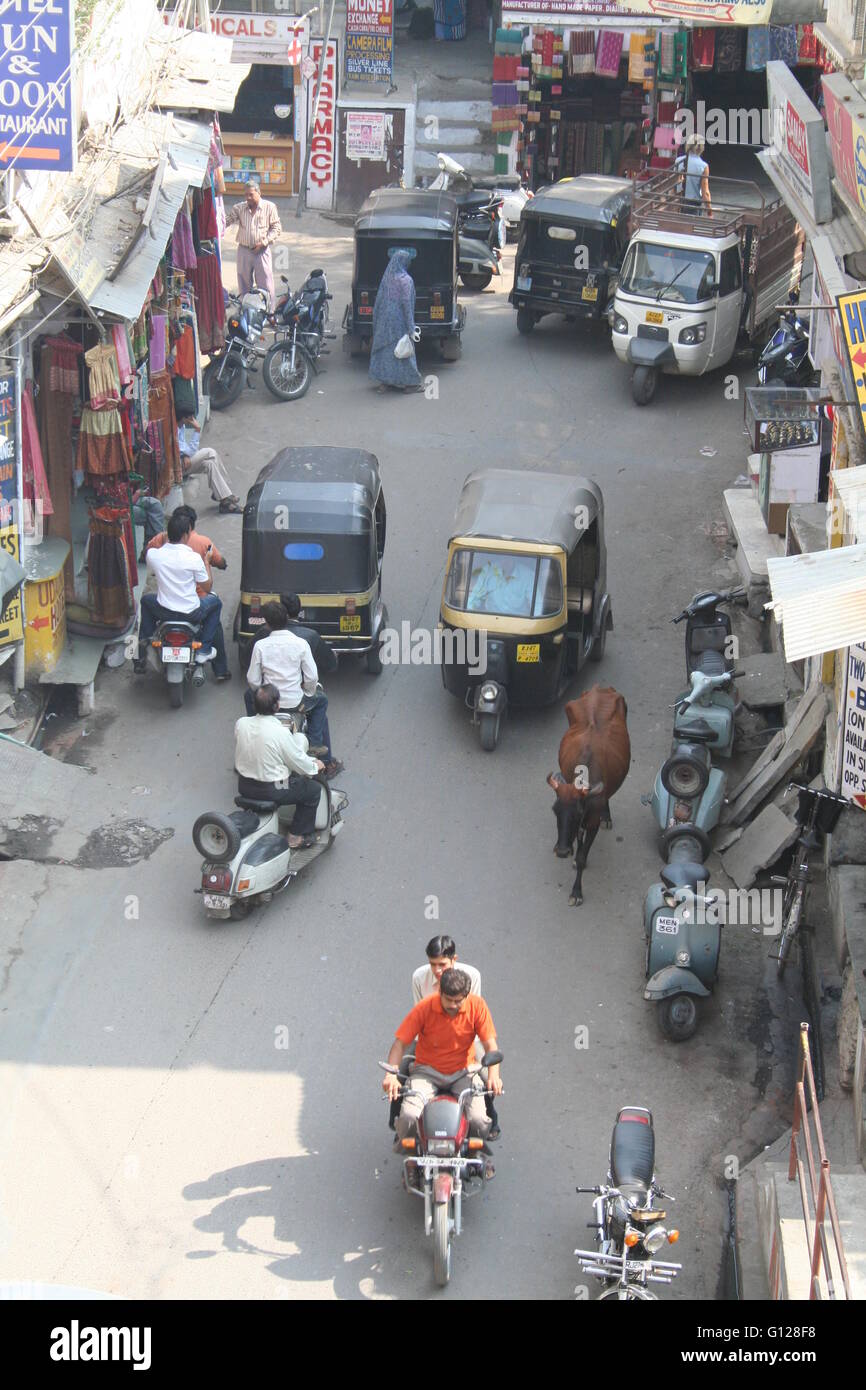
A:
695,286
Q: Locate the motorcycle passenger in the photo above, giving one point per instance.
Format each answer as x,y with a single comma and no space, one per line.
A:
445,1025
285,660
272,765
323,655
179,574
213,560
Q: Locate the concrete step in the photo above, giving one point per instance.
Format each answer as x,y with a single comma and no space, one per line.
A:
755,545
849,1190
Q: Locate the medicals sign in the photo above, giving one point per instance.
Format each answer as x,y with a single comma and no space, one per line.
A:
37,125
369,40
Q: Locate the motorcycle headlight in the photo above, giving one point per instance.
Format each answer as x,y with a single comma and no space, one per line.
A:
441,1148
524,269
683,957
695,334
619,325
655,1238
488,692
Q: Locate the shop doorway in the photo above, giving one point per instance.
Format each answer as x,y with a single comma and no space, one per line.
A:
371,152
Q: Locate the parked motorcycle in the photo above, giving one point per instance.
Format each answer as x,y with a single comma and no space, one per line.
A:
300,321
476,263
444,1165
785,358
629,1229
247,858
683,927
176,649
507,188
227,373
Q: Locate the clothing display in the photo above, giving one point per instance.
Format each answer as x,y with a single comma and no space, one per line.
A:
103,450
59,386
608,53
37,495
783,44
109,592
729,50
703,50
183,255
122,340
209,303
162,433
757,48
103,375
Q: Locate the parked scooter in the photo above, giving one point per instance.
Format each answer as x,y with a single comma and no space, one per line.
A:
477,263
629,1229
301,323
507,188
247,858
709,646
785,358
176,649
683,927
227,373
444,1165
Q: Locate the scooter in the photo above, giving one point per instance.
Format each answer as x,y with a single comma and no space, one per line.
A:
710,645
477,263
683,930
785,358
443,1164
629,1229
176,649
247,858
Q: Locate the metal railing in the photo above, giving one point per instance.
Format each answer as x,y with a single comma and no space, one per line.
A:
819,1185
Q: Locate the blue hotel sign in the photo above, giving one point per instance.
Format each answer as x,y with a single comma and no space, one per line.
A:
37,125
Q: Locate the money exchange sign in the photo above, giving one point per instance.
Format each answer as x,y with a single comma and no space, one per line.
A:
369,40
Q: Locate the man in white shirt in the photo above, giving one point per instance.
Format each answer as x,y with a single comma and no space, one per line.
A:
284,659
273,764
178,569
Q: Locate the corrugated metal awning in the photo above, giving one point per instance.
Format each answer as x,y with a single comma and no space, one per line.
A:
850,484
820,600
198,72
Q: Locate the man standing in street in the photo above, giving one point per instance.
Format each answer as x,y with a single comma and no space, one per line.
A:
258,224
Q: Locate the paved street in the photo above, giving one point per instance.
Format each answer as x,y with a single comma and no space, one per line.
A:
155,1141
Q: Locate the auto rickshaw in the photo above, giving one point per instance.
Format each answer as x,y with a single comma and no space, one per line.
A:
572,239
425,223
314,525
525,601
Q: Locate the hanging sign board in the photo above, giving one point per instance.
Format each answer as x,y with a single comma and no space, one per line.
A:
37,125
854,728
852,312
369,40
320,178
11,629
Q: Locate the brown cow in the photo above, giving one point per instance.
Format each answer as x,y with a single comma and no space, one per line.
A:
594,756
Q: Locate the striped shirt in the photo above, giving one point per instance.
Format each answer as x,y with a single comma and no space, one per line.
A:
255,225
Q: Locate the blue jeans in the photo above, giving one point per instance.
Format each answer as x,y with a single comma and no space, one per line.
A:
149,513
207,616
316,707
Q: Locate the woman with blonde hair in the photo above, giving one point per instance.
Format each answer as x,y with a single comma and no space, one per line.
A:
696,194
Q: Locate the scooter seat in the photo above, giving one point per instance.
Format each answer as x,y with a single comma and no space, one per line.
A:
262,807
710,663
632,1153
684,875
698,731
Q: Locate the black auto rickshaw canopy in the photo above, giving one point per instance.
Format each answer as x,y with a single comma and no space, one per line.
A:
428,211
423,221
520,505
310,520
584,211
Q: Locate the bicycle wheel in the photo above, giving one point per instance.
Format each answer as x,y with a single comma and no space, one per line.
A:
792,923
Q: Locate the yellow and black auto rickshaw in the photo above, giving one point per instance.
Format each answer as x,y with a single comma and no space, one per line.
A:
525,599
314,525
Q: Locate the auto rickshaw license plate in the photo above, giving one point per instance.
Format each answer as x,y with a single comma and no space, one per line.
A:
654,316
589,293
351,624
528,651
437,311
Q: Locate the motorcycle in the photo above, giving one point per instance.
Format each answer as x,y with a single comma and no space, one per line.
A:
683,929
628,1226
246,856
175,648
300,321
228,371
476,263
785,358
443,1164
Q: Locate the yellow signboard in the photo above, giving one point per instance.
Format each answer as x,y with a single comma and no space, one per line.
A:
11,629
852,312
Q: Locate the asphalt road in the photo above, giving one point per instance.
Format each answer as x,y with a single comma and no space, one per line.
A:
158,1141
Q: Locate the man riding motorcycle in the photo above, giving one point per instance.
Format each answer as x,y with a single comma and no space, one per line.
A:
445,1025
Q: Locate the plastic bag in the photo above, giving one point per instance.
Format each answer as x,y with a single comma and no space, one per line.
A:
404,347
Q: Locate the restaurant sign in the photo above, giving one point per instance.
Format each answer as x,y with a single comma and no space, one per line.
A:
37,128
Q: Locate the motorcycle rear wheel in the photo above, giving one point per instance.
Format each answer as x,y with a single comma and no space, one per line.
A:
223,390
175,694
283,382
441,1244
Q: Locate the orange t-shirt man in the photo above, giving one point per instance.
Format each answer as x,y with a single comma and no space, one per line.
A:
446,1042
200,544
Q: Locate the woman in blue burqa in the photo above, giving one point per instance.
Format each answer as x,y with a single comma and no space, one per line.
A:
394,315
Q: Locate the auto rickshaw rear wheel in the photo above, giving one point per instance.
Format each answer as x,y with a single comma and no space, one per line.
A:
596,651
374,661
451,349
478,281
644,383
525,320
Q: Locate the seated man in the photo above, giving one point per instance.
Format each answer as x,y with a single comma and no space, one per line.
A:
213,560
208,461
285,660
273,765
180,573
445,1025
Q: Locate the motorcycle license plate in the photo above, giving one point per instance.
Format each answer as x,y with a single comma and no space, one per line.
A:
654,316
217,901
589,293
437,311
528,651
524,282
351,624
668,926
176,654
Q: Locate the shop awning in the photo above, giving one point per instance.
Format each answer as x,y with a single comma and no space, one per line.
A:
836,47
197,72
820,600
